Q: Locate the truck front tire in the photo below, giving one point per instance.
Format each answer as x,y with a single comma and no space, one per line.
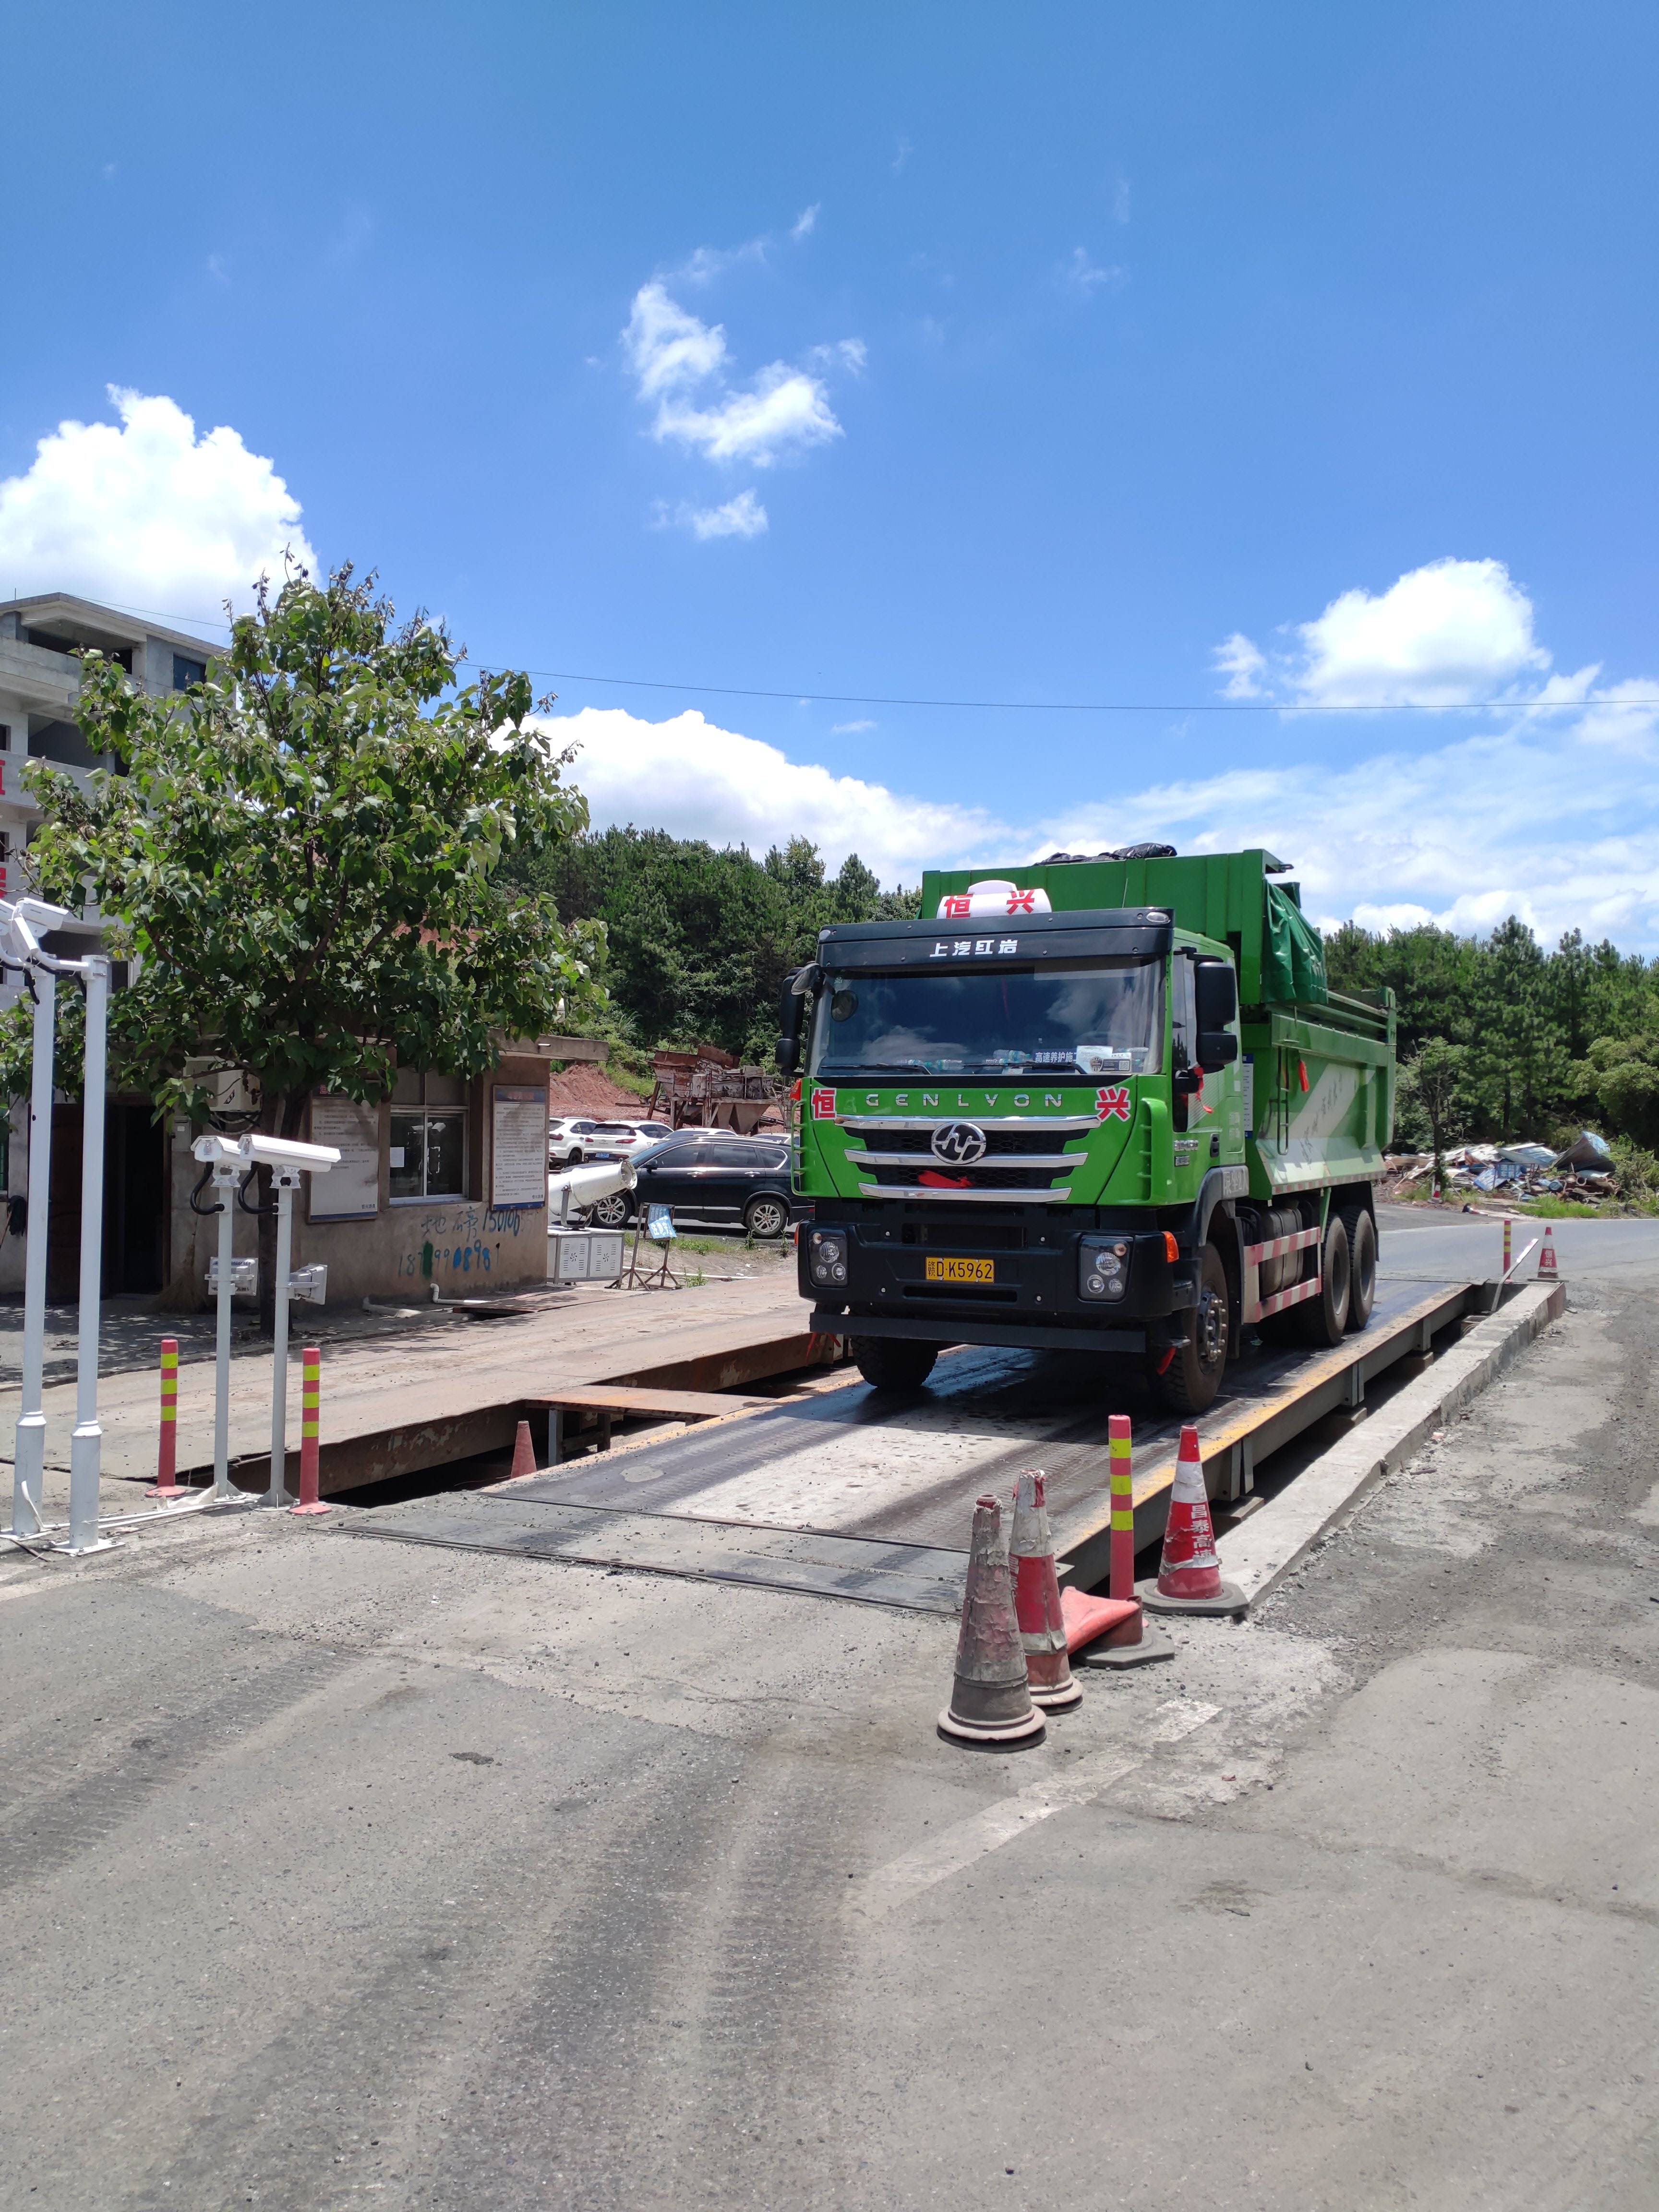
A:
1188,1383
893,1363
1322,1321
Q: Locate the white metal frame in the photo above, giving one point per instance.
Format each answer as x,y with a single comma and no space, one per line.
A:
1256,1308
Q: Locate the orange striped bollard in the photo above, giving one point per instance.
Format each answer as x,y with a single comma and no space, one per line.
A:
311,1391
167,1483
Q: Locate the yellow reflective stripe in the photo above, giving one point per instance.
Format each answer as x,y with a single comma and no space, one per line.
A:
1120,1447
1123,1521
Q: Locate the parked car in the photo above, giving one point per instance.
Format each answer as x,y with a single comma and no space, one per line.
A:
620,1140
566,1137
708,1176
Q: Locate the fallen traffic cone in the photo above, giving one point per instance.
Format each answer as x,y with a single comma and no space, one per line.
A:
524,1453
1126,1637
1036,1599
991,1695
1189,1573
1547,1271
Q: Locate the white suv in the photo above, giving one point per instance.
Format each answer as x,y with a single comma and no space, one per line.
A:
566,1140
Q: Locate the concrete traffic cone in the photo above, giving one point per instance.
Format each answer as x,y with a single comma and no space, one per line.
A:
991,1695
1125,1638
1547,1271
1189,1574
524,1453
1036,1599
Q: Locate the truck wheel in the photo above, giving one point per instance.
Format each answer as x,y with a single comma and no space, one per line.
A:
1361,1264
1322,1321
1189,1383
893,1363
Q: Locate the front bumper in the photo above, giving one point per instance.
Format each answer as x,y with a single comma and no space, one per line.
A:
1033,1299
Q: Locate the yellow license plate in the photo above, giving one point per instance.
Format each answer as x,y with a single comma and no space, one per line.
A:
961,1271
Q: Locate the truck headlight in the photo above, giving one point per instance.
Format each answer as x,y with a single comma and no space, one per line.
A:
1102,1270
826,1255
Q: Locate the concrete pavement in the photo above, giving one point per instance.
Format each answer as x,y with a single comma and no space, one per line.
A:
343,1872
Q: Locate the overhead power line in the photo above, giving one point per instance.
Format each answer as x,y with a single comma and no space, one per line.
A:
1064,706
992,706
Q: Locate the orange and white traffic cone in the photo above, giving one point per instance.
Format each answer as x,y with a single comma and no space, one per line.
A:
991,1695
1189,1574
1036,1599
1547,1271
524,1453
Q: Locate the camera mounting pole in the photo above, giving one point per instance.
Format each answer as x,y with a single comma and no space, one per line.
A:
286,1161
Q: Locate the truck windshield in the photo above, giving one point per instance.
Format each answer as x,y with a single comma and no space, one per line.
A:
1099,1018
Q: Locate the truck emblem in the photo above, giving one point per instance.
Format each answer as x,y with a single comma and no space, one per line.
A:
958,1143
1112,1101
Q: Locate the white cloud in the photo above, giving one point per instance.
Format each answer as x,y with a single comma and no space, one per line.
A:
673,355
742,516
1121,201
1445,635
850,729
1243,666
787,409
148,514
805,223
690,776
668,349
1082,275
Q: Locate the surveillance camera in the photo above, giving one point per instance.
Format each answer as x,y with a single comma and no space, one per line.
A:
282,1152
42,914
216,1151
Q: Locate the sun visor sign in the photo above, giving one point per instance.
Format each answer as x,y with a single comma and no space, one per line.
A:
994,896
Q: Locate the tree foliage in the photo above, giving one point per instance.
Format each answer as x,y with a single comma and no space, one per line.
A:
301,859
697,940
1543,1041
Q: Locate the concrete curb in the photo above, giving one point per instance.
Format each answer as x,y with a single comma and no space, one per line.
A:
1257,1553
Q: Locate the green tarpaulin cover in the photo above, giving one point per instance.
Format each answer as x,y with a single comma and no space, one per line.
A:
1292,954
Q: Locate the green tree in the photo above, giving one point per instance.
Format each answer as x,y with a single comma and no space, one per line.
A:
302,859
1433,1083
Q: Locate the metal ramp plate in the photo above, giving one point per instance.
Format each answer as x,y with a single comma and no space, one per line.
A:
811,1563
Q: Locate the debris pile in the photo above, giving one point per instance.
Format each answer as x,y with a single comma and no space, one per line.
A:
1583,1173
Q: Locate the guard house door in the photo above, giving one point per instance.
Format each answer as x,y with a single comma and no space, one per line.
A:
134,1202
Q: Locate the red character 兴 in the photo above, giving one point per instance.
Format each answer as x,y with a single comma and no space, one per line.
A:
1112,1103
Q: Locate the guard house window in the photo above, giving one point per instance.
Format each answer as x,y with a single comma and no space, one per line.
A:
186,672
428,1136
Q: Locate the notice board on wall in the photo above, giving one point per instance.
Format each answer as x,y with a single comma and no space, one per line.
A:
518,1155
351,1191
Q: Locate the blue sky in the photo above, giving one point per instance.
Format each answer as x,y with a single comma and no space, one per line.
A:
1279,359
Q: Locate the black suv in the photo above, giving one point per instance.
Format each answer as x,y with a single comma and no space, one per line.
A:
709,1175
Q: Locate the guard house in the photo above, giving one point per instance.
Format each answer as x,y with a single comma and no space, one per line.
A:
444,1187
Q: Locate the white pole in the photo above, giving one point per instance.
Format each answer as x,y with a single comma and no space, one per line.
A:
278,1494
224,1182
29,1453
86,1445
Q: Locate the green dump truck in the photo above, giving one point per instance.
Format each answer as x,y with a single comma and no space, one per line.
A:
1107,1104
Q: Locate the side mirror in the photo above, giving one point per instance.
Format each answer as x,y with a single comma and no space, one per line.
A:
1188,1082
1217,1048
792,1009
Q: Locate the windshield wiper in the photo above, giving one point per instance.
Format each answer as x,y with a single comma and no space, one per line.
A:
874,1067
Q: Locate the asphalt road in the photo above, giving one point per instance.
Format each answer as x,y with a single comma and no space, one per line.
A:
341,1872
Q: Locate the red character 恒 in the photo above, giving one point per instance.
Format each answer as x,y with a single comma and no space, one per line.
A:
823,1105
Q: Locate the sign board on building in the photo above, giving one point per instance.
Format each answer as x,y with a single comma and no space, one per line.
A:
517,1158
350,1192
